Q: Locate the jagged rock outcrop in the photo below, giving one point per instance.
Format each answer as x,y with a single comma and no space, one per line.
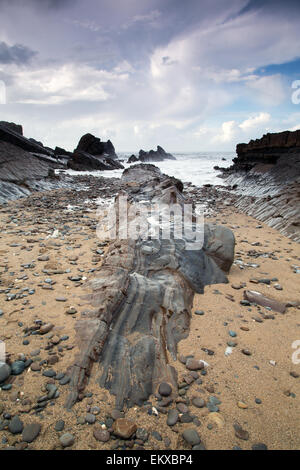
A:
142,298
152,156
9,133
266,180
92,154
12,126
268,150
93,145
22,172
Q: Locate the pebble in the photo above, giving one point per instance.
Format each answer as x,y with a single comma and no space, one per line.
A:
194,364
15,425
165,389
198,402
191,436
90,418
100,434
124,428
31,432
67,440
173,416
17,367
259,446
5,371
59,426
240,433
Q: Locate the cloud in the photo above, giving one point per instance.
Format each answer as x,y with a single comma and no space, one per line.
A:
269,90
55,85
255,121
16,54
227,134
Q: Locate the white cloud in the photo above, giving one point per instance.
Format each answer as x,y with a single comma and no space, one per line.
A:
269,90
228,131
54,85
255,121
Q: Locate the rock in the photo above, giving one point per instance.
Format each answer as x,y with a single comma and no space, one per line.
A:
100,434
165,389
90,418
152,156
173,416
15,425
259,446
12,126
59,426
142,434
131,373
5,372
124,428
31,432
240,432
260,299
194,364
17,367
46,328
198,402
93,145
67,440
191,436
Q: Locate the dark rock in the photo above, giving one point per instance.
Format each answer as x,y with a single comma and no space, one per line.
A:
191,436
5,371
15,425
31,432
165,389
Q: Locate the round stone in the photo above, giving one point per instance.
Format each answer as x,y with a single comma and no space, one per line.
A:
198,402
165,389
101,435
67,440
191,436
15,426
17,367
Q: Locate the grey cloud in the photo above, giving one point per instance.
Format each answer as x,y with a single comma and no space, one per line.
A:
17,54
52,4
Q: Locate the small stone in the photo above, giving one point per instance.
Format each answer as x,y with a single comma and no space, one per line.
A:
242,405
241,433
46,328
59,426
100,434
15,425
165,389
67,440
194,364
191,436
31,432
17,367
124,428
198,402
259,446
173,416
90,418
5,371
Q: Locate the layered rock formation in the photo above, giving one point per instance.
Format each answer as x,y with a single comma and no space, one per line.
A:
152,156
265,177
26,165
142,298
92,154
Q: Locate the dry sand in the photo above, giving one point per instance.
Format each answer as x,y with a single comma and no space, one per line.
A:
233,379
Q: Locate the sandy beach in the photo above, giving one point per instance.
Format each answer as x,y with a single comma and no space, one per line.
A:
257,390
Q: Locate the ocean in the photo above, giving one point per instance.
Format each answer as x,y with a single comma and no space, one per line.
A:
194,167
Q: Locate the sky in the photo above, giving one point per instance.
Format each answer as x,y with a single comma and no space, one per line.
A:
189,75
